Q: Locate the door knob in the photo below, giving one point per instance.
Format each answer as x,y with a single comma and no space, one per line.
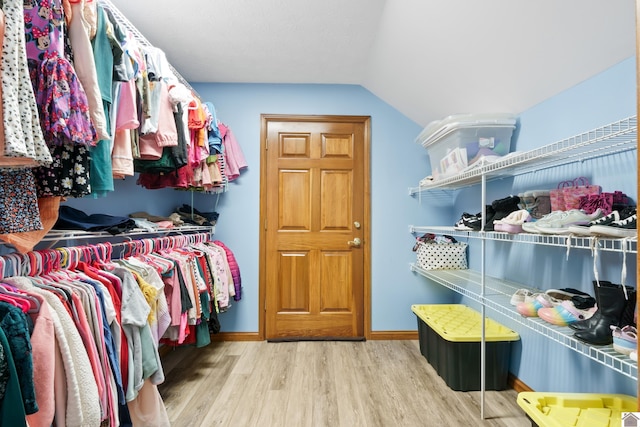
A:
355,242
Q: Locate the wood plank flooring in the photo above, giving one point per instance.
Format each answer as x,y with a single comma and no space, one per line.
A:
321,383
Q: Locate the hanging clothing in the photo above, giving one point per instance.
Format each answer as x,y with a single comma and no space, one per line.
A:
62,102
101,170
12,411
18,201
22,132
234,157
84,65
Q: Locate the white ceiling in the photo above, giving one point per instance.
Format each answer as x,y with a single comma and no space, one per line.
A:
426,58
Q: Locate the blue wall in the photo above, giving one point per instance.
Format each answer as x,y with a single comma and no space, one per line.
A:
397,163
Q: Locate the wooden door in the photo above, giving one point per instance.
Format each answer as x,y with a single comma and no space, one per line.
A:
315,225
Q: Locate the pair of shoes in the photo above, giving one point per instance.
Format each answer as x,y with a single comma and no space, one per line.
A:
560,224
565,313
552,298
531,227
460,224
536,302
474,222
613,217
580,299
624,227
625,339
512,223
520,296
615,307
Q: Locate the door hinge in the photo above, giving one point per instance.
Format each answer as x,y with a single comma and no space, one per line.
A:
265,224
266,145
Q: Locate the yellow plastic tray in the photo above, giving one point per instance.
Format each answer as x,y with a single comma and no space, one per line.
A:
460,323
576,409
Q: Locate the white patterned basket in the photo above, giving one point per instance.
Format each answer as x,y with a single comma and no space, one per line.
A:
442,256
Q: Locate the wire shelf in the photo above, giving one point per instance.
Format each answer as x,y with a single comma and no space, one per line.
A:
611,139
497,294
629,245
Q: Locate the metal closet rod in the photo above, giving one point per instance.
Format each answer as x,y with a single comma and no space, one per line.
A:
42,261
122,20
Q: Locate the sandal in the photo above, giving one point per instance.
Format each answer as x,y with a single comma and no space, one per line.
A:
625,340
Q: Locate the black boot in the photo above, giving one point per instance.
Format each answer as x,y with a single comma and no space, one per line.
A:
611,305
591,322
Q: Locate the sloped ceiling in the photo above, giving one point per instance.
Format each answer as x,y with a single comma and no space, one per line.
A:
426,58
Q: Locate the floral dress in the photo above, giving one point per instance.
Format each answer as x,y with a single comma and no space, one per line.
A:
62,103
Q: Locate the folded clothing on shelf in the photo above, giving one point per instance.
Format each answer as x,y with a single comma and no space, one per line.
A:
74,219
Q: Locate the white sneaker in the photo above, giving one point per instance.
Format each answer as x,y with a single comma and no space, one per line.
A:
624,228
561,224
584,230
531,227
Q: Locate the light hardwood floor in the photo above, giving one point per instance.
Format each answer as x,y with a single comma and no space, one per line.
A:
321,383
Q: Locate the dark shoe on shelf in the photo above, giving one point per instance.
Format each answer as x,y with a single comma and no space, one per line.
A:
611,305
626,227
475,221
591,322
460,224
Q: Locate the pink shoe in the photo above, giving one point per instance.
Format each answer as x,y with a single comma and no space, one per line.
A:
564,313
530,309
625,340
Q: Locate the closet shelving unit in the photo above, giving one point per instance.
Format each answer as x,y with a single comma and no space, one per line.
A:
494,293
614,138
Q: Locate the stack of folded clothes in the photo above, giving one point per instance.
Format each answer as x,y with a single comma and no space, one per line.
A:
191,215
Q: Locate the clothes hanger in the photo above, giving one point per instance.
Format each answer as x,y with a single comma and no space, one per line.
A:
40,282
22,304
12,291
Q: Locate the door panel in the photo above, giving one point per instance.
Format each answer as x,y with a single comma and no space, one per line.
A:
314,187
294,195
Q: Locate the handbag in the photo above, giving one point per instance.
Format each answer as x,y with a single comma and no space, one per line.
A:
605,201
568,193
440,255
580,188
556,196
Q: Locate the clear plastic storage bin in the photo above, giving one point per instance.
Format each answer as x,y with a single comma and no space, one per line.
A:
458,141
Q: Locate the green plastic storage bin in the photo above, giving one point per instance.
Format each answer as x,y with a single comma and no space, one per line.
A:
578,409
449,337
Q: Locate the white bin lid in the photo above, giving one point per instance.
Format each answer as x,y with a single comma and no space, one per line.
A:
437,129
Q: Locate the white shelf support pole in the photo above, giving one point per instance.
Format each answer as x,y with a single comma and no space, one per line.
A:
482,288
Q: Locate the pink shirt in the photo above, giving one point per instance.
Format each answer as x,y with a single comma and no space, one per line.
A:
233,155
